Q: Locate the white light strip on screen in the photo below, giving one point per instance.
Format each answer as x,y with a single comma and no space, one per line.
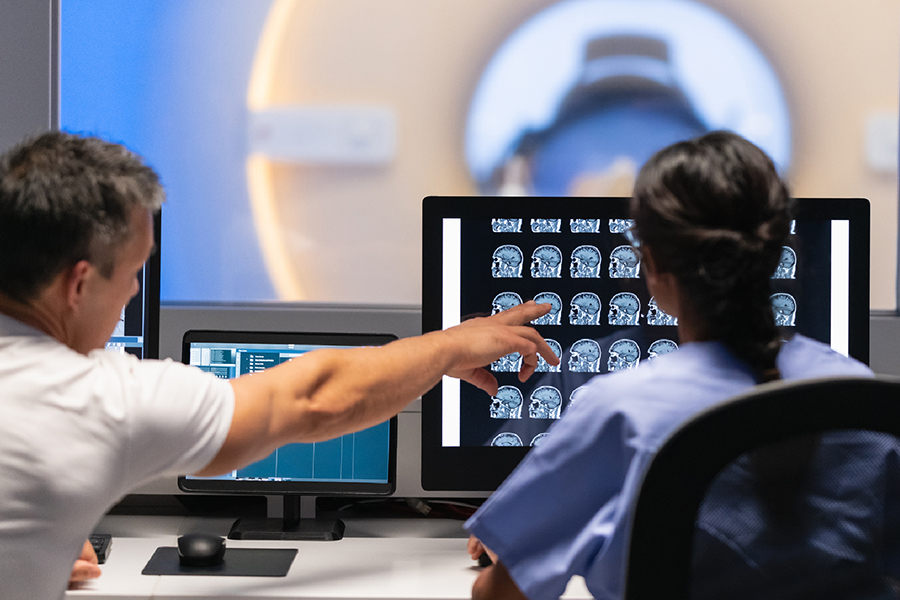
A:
840,287
450,301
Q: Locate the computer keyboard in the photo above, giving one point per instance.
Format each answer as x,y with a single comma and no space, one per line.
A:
101,543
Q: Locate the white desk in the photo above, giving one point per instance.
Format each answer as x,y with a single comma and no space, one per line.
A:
377,559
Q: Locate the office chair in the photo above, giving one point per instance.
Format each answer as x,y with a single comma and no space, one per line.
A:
674,488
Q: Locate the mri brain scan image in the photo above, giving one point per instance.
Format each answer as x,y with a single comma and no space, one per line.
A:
585,309
623,354
536,440
554,317
507,262
576,394
785,309
506,439
620,225
511,363
624,263
506,225
545,403
624,309
787,264
505,301
542,365
585,262
546,261
657,316
545,225
584,225
661,347
584,357
507,404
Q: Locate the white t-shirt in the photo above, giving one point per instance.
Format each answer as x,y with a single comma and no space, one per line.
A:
79,432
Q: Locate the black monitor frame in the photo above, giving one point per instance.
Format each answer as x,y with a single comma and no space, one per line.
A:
483,468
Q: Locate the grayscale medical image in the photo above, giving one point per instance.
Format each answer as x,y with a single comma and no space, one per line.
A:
506,439
554,317
546,261
546,402
507,262
623,354
546,225
785,308
657,316
624,309
620,225
505,301
584,309
511,363
506,225
585,262
624,263
584,225
787,264
661,347
507,404
584,357
542,365
536,441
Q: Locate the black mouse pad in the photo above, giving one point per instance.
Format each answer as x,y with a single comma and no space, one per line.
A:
239,562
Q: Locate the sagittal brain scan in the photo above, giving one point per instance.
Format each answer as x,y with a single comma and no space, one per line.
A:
576,394
554,317
542,365
785,309
505,301
511,363
546,261
536,440
623,354
584,225
787,264
624,309
585,309
584,357
620,225
507,262
585,262
545,403
657,316
506,225
624,263
661,347
506,439
545,225
507,404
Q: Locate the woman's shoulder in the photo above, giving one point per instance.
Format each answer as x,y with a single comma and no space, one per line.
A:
803,358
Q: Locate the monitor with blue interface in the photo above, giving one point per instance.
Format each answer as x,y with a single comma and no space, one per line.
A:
482,255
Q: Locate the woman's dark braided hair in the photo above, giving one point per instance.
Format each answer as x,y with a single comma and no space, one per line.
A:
716,215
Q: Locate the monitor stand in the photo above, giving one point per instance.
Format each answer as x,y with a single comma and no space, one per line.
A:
296,521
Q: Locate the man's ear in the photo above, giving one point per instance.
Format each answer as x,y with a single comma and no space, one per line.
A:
76,279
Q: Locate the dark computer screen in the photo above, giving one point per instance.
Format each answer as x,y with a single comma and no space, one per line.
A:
482,255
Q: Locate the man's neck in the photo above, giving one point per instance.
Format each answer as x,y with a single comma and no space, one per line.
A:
38,314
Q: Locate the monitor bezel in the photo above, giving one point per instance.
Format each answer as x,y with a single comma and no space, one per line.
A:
310,488
482,469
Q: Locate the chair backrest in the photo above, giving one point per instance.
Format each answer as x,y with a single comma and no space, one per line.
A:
675,483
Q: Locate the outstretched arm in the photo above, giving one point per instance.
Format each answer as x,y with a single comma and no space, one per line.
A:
327,393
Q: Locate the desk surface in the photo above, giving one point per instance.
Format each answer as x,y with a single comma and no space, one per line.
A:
377,559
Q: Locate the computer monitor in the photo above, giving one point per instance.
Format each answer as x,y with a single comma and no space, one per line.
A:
356,464
485,254
138,329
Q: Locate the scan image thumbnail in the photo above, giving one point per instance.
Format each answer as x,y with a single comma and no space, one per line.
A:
584,225
545,225
657,316
661,347
511,363
506,225
585,262
576,394
546,261
538,439
787,264
624,263
542,365
507,262
620,225
507,404
624,309
785,309
554,317
623,354
506,439
585,309
545,403
505,301
584,357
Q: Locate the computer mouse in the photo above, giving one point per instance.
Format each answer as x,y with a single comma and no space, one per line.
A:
201,550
